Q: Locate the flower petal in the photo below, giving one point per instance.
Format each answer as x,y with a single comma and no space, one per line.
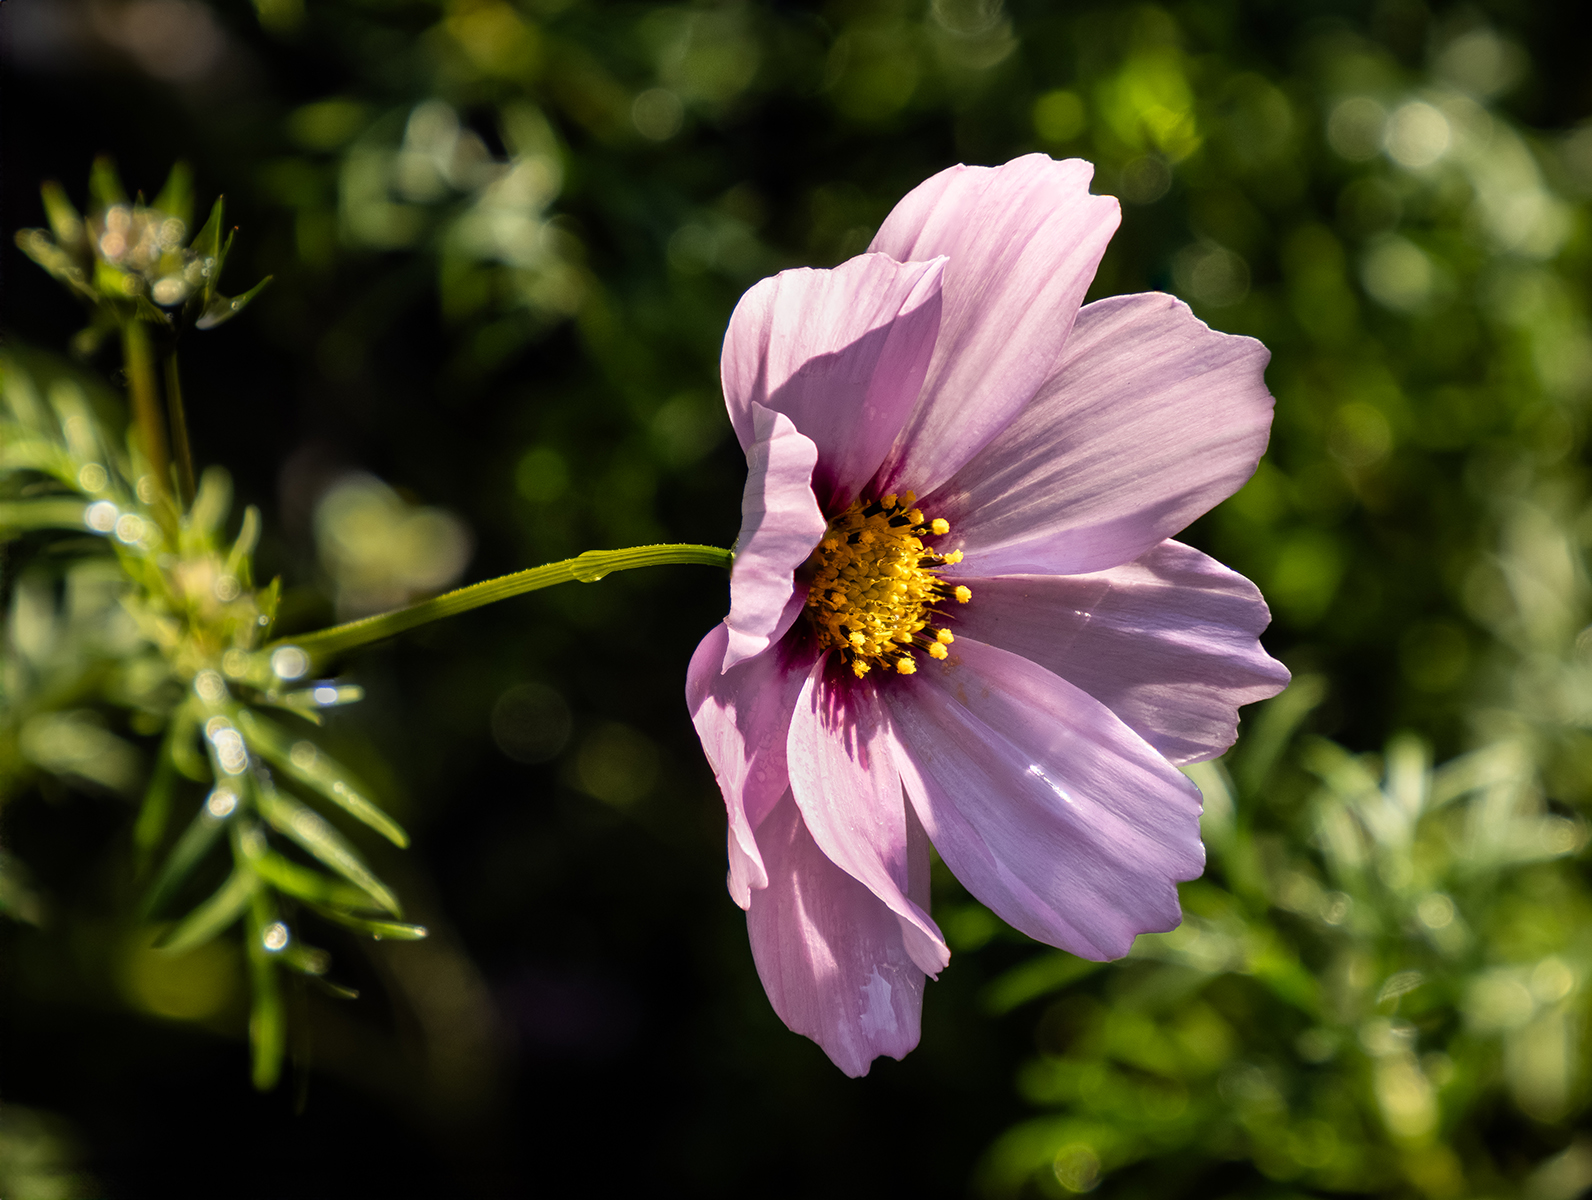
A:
841,756
1150,419
1170,643
1048,809
1023,240
829,953
780,525
742,716
842,353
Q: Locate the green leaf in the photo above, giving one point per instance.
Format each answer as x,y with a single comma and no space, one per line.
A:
219,309
211,503
176,198
397,930
104,184
65,221
53,512
182,742
315,834
268,599
195,842
224,907
267,1023
1274,730
336,990
307,763
305,959
36,244
288,876
239,560
1037,977
307,702
35,454
20,396
155,812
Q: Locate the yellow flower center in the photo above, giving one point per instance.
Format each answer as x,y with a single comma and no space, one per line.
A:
874,587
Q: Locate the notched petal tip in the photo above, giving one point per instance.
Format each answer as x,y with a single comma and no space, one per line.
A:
830,953
1024,240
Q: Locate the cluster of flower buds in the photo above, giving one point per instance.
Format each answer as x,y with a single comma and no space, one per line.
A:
132,260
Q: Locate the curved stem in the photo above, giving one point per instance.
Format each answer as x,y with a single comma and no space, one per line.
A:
325,644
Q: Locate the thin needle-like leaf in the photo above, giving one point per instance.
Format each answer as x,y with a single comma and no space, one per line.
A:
397,930
224,907
288,876
307,763
196,840
267,1025
315,834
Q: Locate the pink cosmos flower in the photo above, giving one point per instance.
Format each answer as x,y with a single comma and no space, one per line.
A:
955,614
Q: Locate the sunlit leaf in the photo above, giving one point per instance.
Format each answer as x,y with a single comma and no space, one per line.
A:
207,244
305,884
316,835
396,930
104,184
55,512
242,552
219,309
66,223
304,761
212,501
176,197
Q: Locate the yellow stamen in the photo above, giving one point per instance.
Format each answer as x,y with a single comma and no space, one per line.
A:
874,588
939,527
963,594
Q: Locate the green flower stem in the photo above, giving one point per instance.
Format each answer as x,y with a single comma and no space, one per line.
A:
587,568
179,431
138,357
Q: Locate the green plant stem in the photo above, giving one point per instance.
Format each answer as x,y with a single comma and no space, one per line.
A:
179,431
138,357
326,644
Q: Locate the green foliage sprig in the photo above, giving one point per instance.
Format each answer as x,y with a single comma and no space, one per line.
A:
164,621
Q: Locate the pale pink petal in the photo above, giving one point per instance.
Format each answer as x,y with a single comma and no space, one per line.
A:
842,762
780,525
1047,807
1170,643
742,716
829,952
1023,240
842,353
1150,420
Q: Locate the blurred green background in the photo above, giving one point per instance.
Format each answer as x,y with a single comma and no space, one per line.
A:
506,236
